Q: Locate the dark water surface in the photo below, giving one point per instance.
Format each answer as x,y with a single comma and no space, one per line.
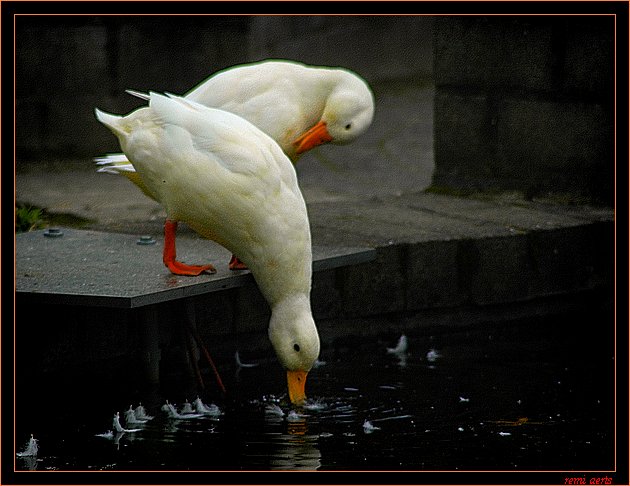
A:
535,395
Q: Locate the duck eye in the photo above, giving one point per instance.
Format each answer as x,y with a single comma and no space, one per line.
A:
348,126
296,347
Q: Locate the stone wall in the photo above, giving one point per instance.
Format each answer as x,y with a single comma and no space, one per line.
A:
65,66
526,104
522,103
380,48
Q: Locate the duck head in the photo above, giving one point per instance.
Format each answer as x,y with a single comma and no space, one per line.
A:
293,335
348,113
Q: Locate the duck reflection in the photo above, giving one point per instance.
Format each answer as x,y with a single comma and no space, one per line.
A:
29,462
297,427
296,450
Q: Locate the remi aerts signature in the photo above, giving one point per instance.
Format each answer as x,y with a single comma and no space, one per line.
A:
584,480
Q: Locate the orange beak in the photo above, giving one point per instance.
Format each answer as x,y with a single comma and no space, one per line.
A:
316,135
297,382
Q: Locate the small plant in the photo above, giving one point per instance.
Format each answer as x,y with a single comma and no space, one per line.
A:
28,218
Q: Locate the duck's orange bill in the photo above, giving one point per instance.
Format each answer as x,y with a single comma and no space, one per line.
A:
316,135
297,382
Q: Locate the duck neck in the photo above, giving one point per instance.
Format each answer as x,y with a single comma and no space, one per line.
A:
291,306
288,316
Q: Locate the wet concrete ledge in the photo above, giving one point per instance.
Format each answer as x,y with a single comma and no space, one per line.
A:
440,251
97,269
437,261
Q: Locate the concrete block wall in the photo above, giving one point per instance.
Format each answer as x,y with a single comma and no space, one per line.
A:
378,47
522,103
525,104
449,279
65,66
497,270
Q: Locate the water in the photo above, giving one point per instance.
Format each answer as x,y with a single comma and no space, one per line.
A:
534,395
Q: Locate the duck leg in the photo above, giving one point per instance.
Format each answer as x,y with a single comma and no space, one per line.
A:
236,264
169,255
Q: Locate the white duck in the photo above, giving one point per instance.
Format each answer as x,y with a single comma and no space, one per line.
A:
299,106
231,183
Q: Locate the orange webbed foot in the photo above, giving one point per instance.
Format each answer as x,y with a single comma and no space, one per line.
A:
179,268
169,254
236,264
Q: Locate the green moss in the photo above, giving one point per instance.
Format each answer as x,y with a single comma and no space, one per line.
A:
31,218
28,218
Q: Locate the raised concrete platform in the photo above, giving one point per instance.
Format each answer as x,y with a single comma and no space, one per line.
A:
112,302
94,268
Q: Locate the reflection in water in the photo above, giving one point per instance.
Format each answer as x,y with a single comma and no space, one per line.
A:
30,463
296,450
464,401
117,438
400,351
29,454
368,427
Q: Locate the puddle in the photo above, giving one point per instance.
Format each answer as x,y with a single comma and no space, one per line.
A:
504,397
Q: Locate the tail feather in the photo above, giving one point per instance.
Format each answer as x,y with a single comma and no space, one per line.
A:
112,159
114,164
191,104
116,169
117,164
110,121
138,94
